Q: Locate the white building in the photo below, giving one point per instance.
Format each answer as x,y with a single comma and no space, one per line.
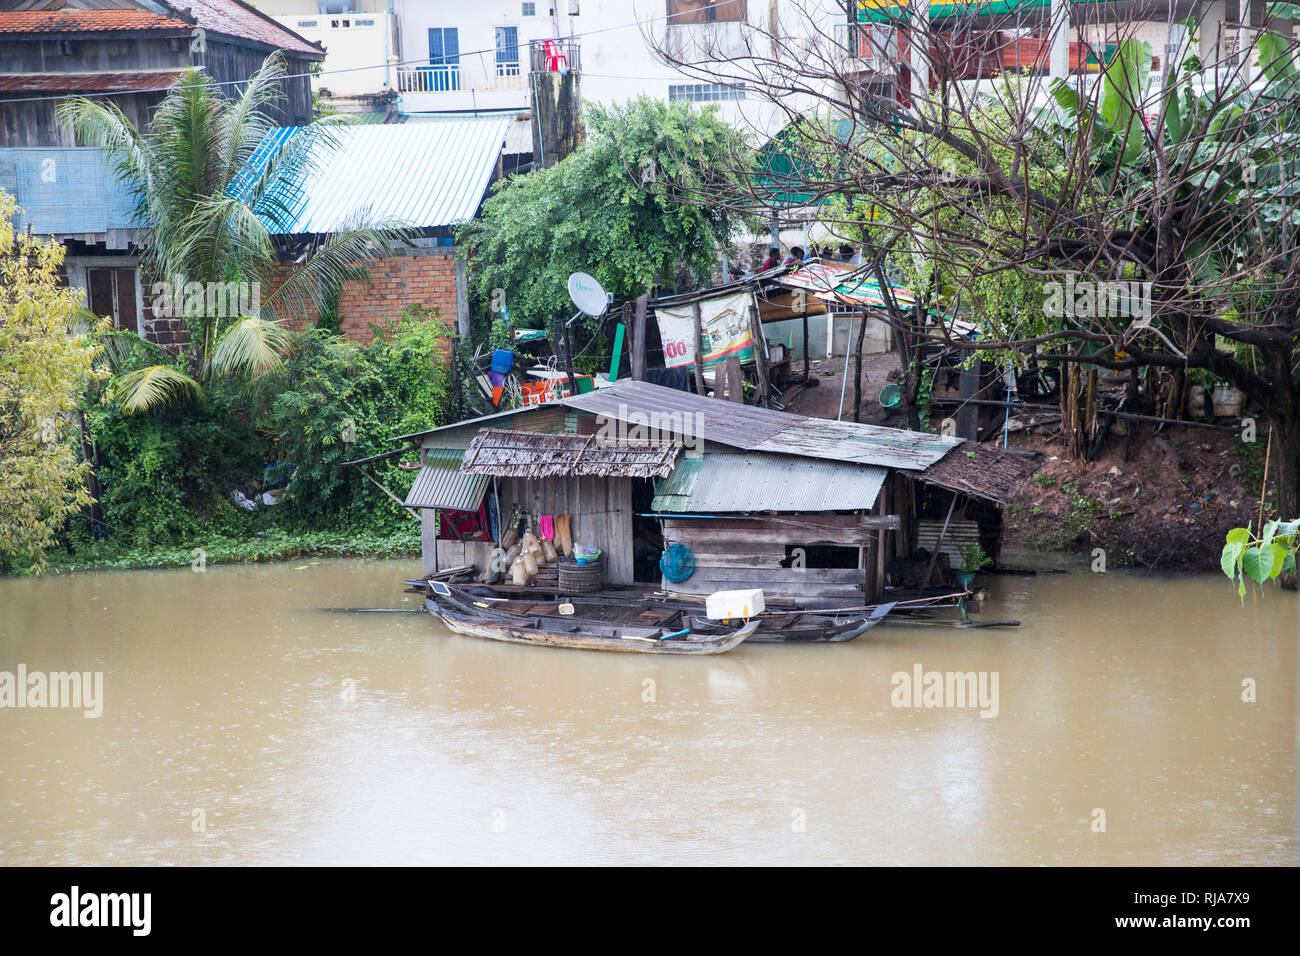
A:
360,37
448,56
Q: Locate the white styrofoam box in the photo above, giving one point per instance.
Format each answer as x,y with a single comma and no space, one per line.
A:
721,605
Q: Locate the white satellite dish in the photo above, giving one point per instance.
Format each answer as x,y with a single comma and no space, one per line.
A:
587,295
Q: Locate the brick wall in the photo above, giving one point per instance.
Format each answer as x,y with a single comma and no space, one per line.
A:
427,279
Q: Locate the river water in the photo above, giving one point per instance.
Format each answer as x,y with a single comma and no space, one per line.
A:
243,722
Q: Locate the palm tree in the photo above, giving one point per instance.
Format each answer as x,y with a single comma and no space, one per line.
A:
210,218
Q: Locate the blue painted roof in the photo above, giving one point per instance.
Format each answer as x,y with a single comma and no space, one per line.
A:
66,191
419,175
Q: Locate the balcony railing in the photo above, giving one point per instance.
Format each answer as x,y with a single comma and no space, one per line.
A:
428,79
549,56
868,46
509,76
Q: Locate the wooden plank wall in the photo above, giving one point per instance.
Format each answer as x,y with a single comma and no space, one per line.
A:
601,510
733,553
33,122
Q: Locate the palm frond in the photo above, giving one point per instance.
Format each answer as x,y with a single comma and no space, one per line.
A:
250,347
154,386
246,121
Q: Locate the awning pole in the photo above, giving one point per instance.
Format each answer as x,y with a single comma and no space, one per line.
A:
847,348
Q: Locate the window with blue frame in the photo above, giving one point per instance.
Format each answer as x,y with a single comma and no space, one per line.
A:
507,51
443,71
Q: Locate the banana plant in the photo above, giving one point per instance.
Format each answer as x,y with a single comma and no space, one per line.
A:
1117,123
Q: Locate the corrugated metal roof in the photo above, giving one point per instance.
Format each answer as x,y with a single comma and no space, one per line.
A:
441,484
759,429
66,191
415,174
512,454
725,482
989,473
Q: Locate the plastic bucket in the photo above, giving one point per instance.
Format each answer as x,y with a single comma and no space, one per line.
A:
891,396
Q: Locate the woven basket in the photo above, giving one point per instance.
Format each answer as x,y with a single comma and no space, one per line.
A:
582,578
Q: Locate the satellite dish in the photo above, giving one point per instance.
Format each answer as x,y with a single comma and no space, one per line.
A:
587,295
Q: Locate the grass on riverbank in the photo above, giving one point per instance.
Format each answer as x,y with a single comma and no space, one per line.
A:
274,545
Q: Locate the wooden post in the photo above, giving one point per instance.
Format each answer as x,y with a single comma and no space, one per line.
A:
1090,410
760,354
699,348
968,385
805,338
638,339
735,380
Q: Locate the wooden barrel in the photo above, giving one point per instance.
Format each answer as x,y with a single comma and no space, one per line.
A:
581,578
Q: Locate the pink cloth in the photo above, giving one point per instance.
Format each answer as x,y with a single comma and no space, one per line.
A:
546,524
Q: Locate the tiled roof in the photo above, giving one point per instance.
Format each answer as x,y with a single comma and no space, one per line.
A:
88,82
237,19
229,17
86,21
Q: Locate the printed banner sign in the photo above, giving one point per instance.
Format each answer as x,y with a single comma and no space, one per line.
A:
724,330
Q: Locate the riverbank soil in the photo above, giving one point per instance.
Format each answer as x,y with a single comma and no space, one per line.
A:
1165,508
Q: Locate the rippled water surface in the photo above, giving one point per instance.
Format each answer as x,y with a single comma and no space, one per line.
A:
236,704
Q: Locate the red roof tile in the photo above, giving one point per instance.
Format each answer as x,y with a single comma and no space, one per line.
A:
86,21
229,17
238,19
88,82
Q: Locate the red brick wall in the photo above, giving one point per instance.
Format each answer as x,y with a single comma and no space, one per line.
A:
427,279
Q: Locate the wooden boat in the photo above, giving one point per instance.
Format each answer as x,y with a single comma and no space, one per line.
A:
471,616
641,610
803,628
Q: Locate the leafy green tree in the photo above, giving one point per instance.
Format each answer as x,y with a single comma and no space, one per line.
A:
208,222
604,210
44,367
1183,180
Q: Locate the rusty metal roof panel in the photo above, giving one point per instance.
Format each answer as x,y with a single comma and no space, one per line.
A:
441,483
725,482
517,454
759,429
989,473
864,444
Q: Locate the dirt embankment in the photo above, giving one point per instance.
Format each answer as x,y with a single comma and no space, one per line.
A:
1167,507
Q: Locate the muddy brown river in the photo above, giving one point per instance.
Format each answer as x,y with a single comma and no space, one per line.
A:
244,723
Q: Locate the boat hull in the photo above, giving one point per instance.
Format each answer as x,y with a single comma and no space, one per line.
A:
830,632
519,632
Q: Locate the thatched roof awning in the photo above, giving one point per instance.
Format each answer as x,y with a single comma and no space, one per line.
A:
978,470
513,454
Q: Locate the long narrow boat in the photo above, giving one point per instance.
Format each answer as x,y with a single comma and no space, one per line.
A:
464,614
802,628
776,626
